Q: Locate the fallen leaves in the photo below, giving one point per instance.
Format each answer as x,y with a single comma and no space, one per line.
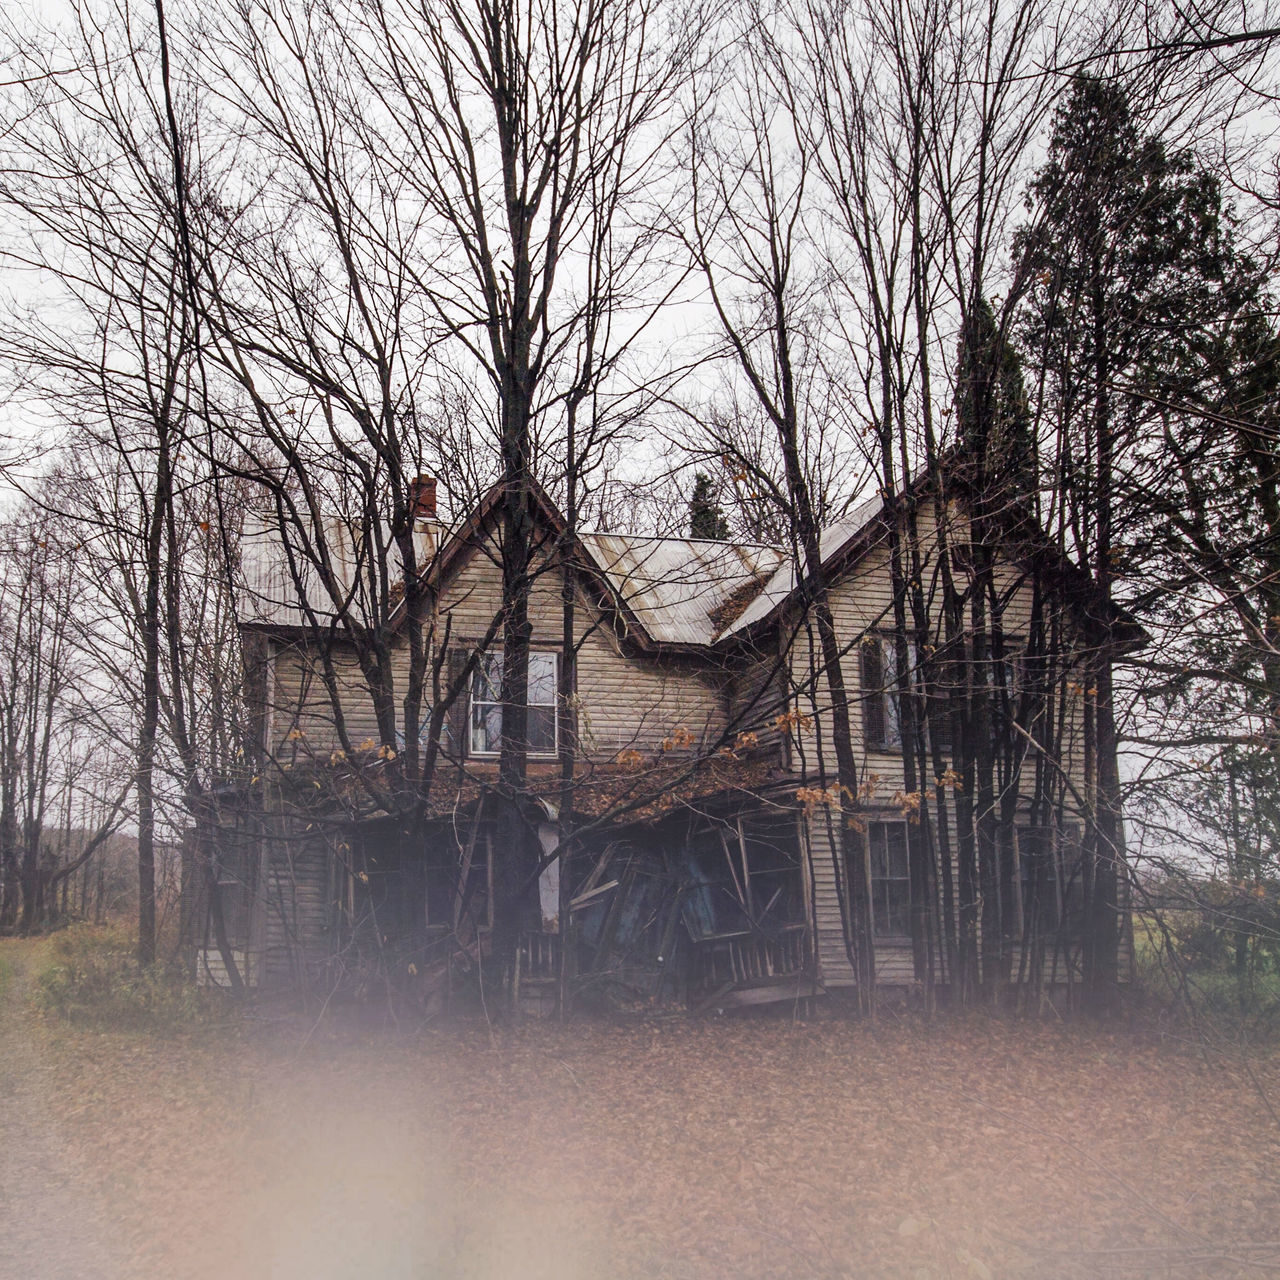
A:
750,1148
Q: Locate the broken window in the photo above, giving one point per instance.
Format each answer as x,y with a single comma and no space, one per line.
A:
743,877
458,880
402,883
623,909
882,697
881,721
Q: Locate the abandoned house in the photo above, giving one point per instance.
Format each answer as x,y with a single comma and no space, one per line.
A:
691,841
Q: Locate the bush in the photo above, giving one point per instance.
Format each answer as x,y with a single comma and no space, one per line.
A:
1185,967
95,980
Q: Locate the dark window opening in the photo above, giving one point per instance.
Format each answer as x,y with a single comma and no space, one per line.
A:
882,697
890,879
743,879
458,882
413,886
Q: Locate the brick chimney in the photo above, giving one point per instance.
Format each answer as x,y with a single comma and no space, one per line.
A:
422,512
422,498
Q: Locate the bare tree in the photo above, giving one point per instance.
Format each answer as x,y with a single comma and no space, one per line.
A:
45,786
745,228
465,175
93,199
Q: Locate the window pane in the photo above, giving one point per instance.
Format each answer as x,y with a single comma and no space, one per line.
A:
889,665
542,679
711,903
486,727
486,684
542,729
486,704
898,912
896,849
890,879
875,835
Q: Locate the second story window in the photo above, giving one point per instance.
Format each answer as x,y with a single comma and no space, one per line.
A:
882,694
881,714
486,705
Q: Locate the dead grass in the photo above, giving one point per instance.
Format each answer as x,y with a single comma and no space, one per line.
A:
93,979
745,1149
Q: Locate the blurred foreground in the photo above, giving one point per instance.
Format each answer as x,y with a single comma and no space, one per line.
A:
751,1148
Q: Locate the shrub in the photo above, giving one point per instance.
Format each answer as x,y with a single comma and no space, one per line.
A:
1186,971
95,979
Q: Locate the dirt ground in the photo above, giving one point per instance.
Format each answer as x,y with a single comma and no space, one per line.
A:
676,1149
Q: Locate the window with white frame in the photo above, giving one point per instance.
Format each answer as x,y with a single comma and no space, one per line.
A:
486,705
880,720
882,695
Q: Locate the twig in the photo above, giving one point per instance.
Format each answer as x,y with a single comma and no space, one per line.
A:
577,1083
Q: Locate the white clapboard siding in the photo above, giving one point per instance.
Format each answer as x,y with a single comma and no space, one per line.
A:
862,604
894,963
634,703
211,972
758,695
626,700
303,717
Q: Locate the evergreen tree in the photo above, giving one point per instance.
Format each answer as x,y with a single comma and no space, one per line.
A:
1226,514
706,519
1125,269
1127,281
995,436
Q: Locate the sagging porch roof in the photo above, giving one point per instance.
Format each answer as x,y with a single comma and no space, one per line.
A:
628,791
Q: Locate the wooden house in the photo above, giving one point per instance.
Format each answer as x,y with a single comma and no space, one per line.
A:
683,791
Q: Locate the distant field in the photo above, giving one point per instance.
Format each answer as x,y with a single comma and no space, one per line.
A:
682,1149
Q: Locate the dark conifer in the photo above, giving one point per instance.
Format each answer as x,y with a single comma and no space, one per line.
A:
706,519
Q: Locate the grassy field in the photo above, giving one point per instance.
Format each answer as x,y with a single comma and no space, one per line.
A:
750,1148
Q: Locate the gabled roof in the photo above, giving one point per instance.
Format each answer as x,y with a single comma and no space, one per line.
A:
679,592
670,590
673,591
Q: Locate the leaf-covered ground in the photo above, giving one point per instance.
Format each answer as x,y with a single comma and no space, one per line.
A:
677,1149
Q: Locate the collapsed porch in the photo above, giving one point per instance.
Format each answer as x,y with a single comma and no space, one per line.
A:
705,904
